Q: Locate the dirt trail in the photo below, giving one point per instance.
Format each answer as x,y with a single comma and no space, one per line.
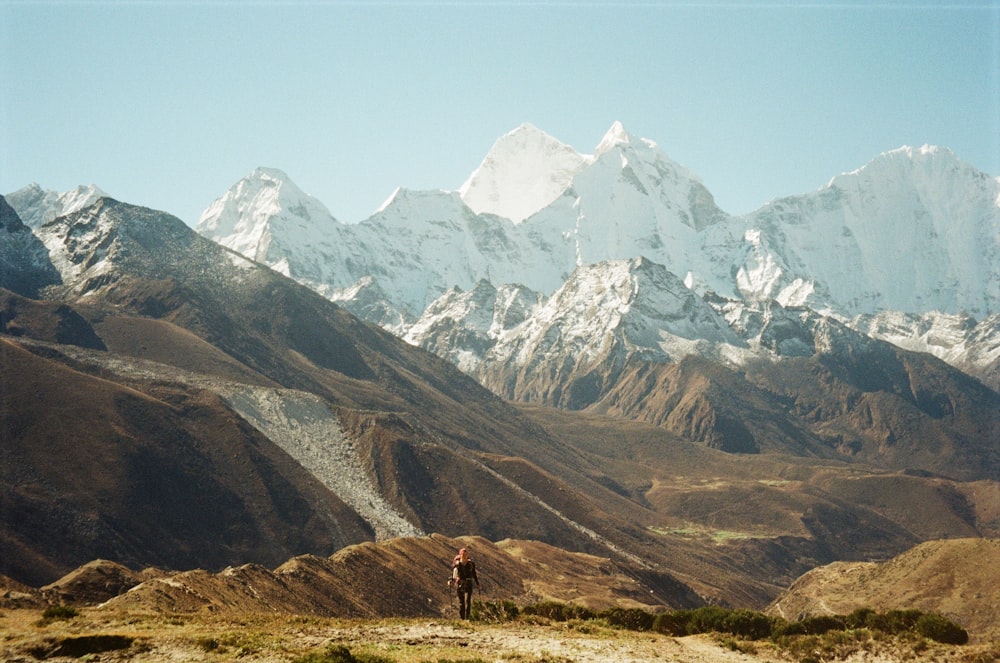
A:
281,639
551,643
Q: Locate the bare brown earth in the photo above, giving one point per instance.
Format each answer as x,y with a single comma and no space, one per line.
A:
404,577
957,578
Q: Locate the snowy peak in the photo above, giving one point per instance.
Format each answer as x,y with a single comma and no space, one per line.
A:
261,205
575,345
89,247
906,165
409,205
524,171
37,206
636,303
617,135
915,229
463,326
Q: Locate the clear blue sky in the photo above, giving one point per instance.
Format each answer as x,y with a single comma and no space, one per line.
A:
167,104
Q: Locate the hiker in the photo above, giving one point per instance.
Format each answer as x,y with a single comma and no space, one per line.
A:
463,574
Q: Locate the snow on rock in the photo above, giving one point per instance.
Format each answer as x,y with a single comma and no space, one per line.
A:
640,304
462,326
914,230
264,208
524,171
946,336
37,206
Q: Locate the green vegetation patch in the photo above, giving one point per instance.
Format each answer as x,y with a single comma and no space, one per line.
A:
822,632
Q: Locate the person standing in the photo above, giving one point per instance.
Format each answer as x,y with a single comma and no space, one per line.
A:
463,574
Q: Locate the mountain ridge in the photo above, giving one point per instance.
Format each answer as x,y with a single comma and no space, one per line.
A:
826,249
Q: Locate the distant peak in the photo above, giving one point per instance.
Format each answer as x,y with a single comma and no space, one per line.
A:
403,197
398,193
525,134
266,173
906,157
617,135
526,128
911,152
525,170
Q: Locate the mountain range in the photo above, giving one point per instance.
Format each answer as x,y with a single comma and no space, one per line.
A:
906,248
622,369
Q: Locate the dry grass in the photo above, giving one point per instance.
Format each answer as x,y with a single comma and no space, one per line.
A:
116,636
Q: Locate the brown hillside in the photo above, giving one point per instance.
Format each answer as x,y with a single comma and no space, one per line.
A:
406,577
711,515
45,321
145,481
165,343
94,582
957,578
707,403
878,404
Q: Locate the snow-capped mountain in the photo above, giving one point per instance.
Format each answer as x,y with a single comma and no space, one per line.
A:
523,172
914,230
628,199
24,260
467,273
168,356
37,206
264,216
416,247
958,339
573,346
464,326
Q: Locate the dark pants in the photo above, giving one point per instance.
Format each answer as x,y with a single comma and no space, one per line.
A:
465,598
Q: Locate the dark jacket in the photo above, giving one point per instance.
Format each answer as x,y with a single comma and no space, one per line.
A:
465,571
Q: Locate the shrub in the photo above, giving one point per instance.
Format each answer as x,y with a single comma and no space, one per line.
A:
633,619
494,611
671,623
748,624
558,612
59,612
707,619
893,621
859,618
815,625
340,654
548,609
941,629
573,611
